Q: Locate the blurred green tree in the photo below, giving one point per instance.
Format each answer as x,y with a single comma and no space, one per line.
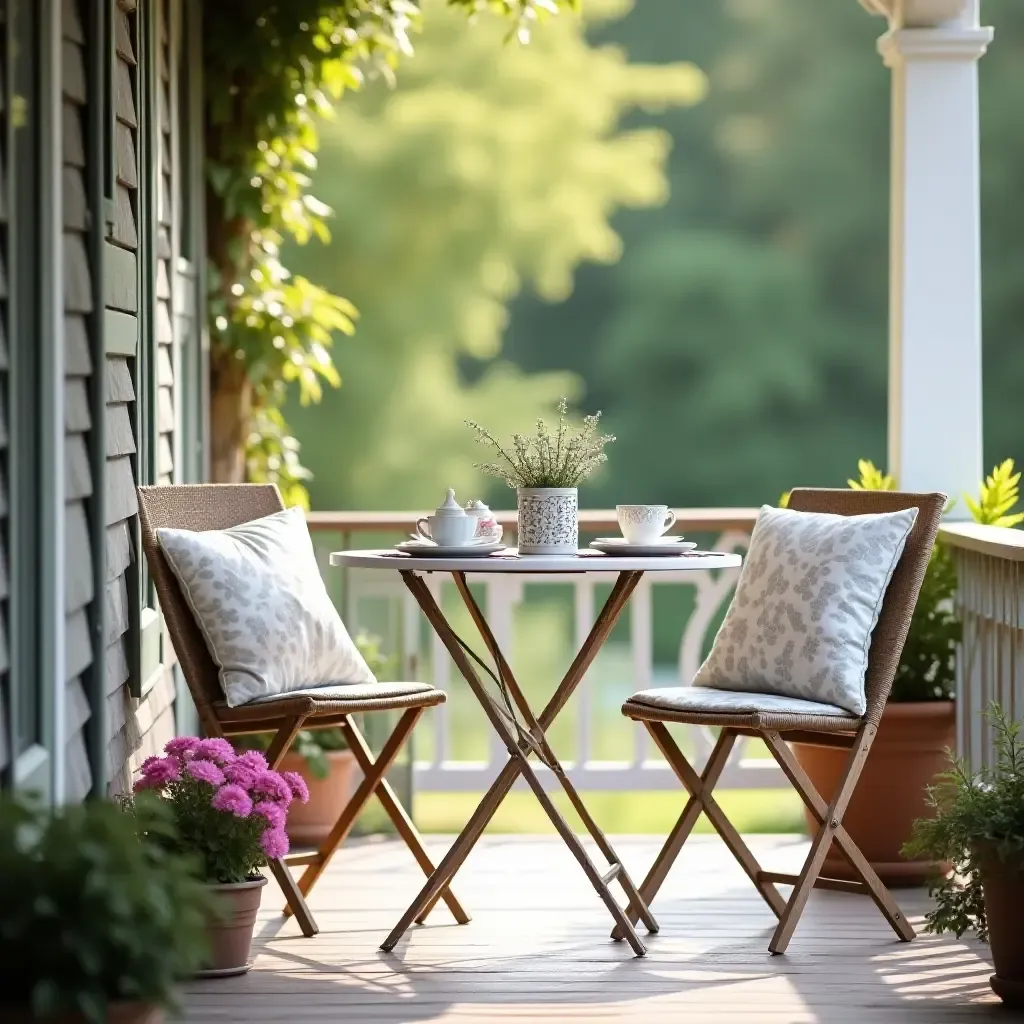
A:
787,160
485,167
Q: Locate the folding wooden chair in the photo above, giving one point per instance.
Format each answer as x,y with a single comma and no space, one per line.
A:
217,507
655,708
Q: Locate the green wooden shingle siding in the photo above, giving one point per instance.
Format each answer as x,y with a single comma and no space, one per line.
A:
121,296
78,582
4,521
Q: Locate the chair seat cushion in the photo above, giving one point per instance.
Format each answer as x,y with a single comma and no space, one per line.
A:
699,702
806,604
256,594
332,700
348,691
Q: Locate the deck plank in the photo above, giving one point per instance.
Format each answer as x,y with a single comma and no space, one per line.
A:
537,948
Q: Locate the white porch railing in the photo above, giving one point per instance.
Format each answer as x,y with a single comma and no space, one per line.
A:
990,603
540,622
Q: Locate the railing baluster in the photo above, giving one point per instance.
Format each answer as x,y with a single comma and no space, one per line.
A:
503,594
641,628
439,666
990,605
583,615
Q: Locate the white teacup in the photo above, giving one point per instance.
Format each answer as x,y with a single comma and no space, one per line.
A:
644,524
447,531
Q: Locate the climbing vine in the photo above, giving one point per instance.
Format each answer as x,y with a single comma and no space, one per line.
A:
272,69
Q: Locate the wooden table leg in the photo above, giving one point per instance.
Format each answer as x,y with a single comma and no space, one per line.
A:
519,763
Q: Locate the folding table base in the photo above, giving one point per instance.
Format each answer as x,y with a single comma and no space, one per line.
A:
534,740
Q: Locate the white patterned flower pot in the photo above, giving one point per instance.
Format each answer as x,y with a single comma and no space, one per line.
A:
548,520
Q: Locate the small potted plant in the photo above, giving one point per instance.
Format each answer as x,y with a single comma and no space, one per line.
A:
918,725
977,825
546,470
96,923
324,761
229,811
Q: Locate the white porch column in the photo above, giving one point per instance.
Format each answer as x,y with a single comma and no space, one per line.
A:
935,424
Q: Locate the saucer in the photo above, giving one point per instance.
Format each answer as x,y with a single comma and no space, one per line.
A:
427,549
662,546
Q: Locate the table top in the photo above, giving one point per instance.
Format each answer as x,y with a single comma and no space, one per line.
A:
510,561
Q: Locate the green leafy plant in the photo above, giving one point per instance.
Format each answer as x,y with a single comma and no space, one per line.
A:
999,494
978,820
271,71
92,913
564,458
871,478
313,745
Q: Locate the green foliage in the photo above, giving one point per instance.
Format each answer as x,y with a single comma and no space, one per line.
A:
927,668
91,913
312,744
228,847
489,168
999,494
272,71
977,820
563,459
272,456
871,478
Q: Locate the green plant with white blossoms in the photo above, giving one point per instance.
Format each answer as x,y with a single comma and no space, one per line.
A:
563,458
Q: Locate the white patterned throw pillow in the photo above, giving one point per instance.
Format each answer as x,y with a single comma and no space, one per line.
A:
257,596
806,603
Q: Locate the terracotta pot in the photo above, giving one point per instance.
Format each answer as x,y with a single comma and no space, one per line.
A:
1004,908
908,752
309,824
230,932
117,1013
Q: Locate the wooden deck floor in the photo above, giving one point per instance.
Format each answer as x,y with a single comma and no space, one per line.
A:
538,949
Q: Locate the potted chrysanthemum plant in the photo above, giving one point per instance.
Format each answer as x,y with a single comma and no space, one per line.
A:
229,811
546,470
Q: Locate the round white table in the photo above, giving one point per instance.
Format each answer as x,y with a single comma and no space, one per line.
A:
521,738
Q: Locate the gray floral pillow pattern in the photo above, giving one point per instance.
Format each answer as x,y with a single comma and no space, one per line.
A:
258,598
806,603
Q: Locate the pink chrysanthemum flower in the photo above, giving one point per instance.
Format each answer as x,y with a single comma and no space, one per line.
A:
216,749
181,746
273,813
158,771
274,843
234,800
253,759
297,784
273,787
204,771
241,774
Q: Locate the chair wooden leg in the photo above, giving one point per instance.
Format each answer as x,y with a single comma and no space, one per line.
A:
401,820
373,774
688,776
830,817
283,739
296,903
683,827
